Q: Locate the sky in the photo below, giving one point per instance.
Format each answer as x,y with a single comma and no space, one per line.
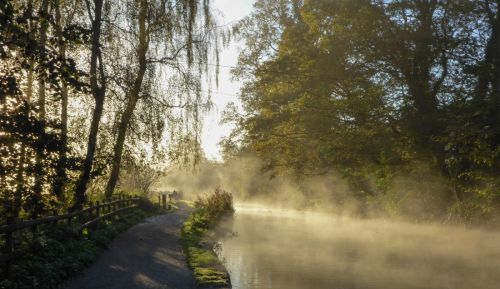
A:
213,132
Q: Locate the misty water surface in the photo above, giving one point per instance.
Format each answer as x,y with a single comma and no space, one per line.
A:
286,249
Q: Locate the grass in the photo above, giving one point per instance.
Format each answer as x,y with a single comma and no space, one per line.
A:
187,203
58,261
207,269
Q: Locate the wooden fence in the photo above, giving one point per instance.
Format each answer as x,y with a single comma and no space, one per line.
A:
76,222
163,203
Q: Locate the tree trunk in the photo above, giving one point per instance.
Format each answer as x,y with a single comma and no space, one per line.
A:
43,39
487,67
494,105
29,89
60,181
419,78
487,93
98,91
38,186
20,191
133,97
118,148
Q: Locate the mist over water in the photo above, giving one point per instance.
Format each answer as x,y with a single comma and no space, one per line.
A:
289,249
331,240
417,195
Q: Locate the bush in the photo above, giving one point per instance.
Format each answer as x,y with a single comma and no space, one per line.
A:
216,205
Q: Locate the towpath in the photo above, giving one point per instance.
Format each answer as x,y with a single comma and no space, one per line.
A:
147,256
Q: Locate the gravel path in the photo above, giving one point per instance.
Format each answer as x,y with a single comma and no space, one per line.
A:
147,256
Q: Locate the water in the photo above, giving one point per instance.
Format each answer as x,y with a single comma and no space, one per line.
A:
286,249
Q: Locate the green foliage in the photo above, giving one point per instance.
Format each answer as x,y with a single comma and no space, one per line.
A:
57,261
201,258
30,143
67,66
370,88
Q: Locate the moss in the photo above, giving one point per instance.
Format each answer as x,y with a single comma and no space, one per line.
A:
206,267
200,259
210,276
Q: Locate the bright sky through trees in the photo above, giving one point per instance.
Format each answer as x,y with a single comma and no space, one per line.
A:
227,91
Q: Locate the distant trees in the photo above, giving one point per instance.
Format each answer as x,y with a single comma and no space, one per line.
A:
75,74
138,176
369,87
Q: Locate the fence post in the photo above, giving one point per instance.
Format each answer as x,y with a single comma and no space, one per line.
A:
79,220
115,204
159,201
97,212
91,211
8,247
164,200
98,209
34,237
68,223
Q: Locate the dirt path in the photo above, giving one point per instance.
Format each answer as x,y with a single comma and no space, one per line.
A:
147,256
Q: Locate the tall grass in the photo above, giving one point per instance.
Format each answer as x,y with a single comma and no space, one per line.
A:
216,205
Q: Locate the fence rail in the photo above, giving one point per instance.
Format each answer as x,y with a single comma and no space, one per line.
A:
86,218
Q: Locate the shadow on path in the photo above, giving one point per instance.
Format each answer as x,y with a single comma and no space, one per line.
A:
147,256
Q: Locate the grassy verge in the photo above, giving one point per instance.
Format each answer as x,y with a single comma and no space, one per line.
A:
58,261
198,243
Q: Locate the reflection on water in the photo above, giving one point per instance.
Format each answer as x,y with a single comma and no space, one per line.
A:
284,249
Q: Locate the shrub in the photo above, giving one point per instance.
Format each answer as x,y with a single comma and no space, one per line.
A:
216,205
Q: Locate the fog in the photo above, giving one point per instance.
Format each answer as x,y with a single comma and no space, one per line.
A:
279,248
315,233
417,195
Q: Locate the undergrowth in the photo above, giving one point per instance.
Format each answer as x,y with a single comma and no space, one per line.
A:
198,246
57,261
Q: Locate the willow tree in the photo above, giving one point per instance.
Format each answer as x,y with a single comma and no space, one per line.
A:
167,39
98,89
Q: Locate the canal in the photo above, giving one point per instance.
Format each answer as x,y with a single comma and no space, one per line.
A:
287,249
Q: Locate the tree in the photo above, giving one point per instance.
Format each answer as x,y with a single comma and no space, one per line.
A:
61,26
152,27
73,71
98,88
30,140
366,88
138,175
